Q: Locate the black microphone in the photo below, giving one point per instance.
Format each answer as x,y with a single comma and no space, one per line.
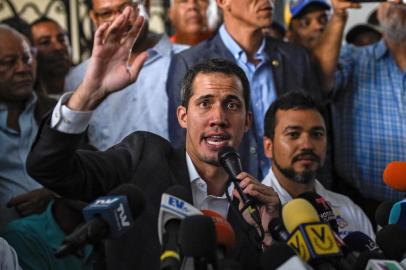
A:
360,242
278,230
382,213
171,256
197,239
231,162
108,217
391,239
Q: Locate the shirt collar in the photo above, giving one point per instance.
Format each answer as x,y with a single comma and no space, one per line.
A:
161,49
29,104
284,196
236,50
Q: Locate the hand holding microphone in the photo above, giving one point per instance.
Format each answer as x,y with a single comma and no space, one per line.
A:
261,202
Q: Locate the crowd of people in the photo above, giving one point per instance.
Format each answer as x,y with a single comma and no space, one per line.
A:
306,111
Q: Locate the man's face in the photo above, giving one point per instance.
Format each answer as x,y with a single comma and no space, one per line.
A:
16,72
52,44
298,148
189,16
306,29
251,13
107,10
216,116
392,18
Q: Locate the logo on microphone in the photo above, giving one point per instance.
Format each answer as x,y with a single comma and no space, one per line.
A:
322,238
298,243
122,216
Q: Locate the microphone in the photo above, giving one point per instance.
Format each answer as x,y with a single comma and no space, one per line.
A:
231,162
359,242
312,240
107,217
382,213
280,256
173,209
398,214
197,239
322,207
391,239
278,230
225,237
364,257
394,175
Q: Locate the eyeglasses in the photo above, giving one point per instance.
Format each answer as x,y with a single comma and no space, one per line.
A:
109,14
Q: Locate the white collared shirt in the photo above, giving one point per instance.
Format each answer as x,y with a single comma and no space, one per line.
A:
199,191
350,216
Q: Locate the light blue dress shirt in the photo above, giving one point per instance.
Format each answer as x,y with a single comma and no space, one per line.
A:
14,148
369,114
263,91
142,105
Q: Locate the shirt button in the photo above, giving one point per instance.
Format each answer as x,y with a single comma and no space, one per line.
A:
253,150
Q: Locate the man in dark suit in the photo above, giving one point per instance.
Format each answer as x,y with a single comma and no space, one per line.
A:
215,113
271,66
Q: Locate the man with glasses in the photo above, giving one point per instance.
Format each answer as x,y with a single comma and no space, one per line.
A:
138,110
20,109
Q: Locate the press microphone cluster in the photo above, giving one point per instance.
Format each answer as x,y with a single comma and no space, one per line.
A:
107,217
191,238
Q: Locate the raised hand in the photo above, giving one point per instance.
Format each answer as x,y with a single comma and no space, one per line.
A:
109,69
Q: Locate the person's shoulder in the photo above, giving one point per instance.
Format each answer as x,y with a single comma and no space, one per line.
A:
206,48
285,47
147,139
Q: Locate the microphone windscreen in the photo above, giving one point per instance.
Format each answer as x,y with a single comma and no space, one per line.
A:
230,160
224,232
326,214
398,214
135,198
197,237
360,242
391,239
394,175
382,213
275,255
298,211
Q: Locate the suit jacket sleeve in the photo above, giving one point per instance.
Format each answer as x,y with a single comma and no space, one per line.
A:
177,71
55,162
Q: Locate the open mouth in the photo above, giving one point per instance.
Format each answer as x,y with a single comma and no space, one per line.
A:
217,140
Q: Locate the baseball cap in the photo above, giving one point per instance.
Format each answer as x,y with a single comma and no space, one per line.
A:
294,7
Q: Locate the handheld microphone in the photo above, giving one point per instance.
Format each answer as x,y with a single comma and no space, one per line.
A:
382,213
322,207
391,239
312,240
197,239
173,209
280,256
394,175
231,162
225,237
383,265
360,242
398,214
278,230
107,217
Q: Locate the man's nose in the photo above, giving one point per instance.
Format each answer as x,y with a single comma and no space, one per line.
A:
306,142
218,116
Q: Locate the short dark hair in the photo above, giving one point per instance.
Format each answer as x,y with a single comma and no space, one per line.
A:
292,100
213,66
44,19
20,25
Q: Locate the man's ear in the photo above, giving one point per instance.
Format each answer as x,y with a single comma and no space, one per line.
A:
268,147
181,113
223,4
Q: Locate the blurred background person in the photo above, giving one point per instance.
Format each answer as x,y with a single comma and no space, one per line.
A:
190,20
306,21
365,33
54,56
276,30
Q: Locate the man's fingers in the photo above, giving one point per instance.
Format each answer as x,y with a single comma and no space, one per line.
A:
100,33
17,200
118,26
131,37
